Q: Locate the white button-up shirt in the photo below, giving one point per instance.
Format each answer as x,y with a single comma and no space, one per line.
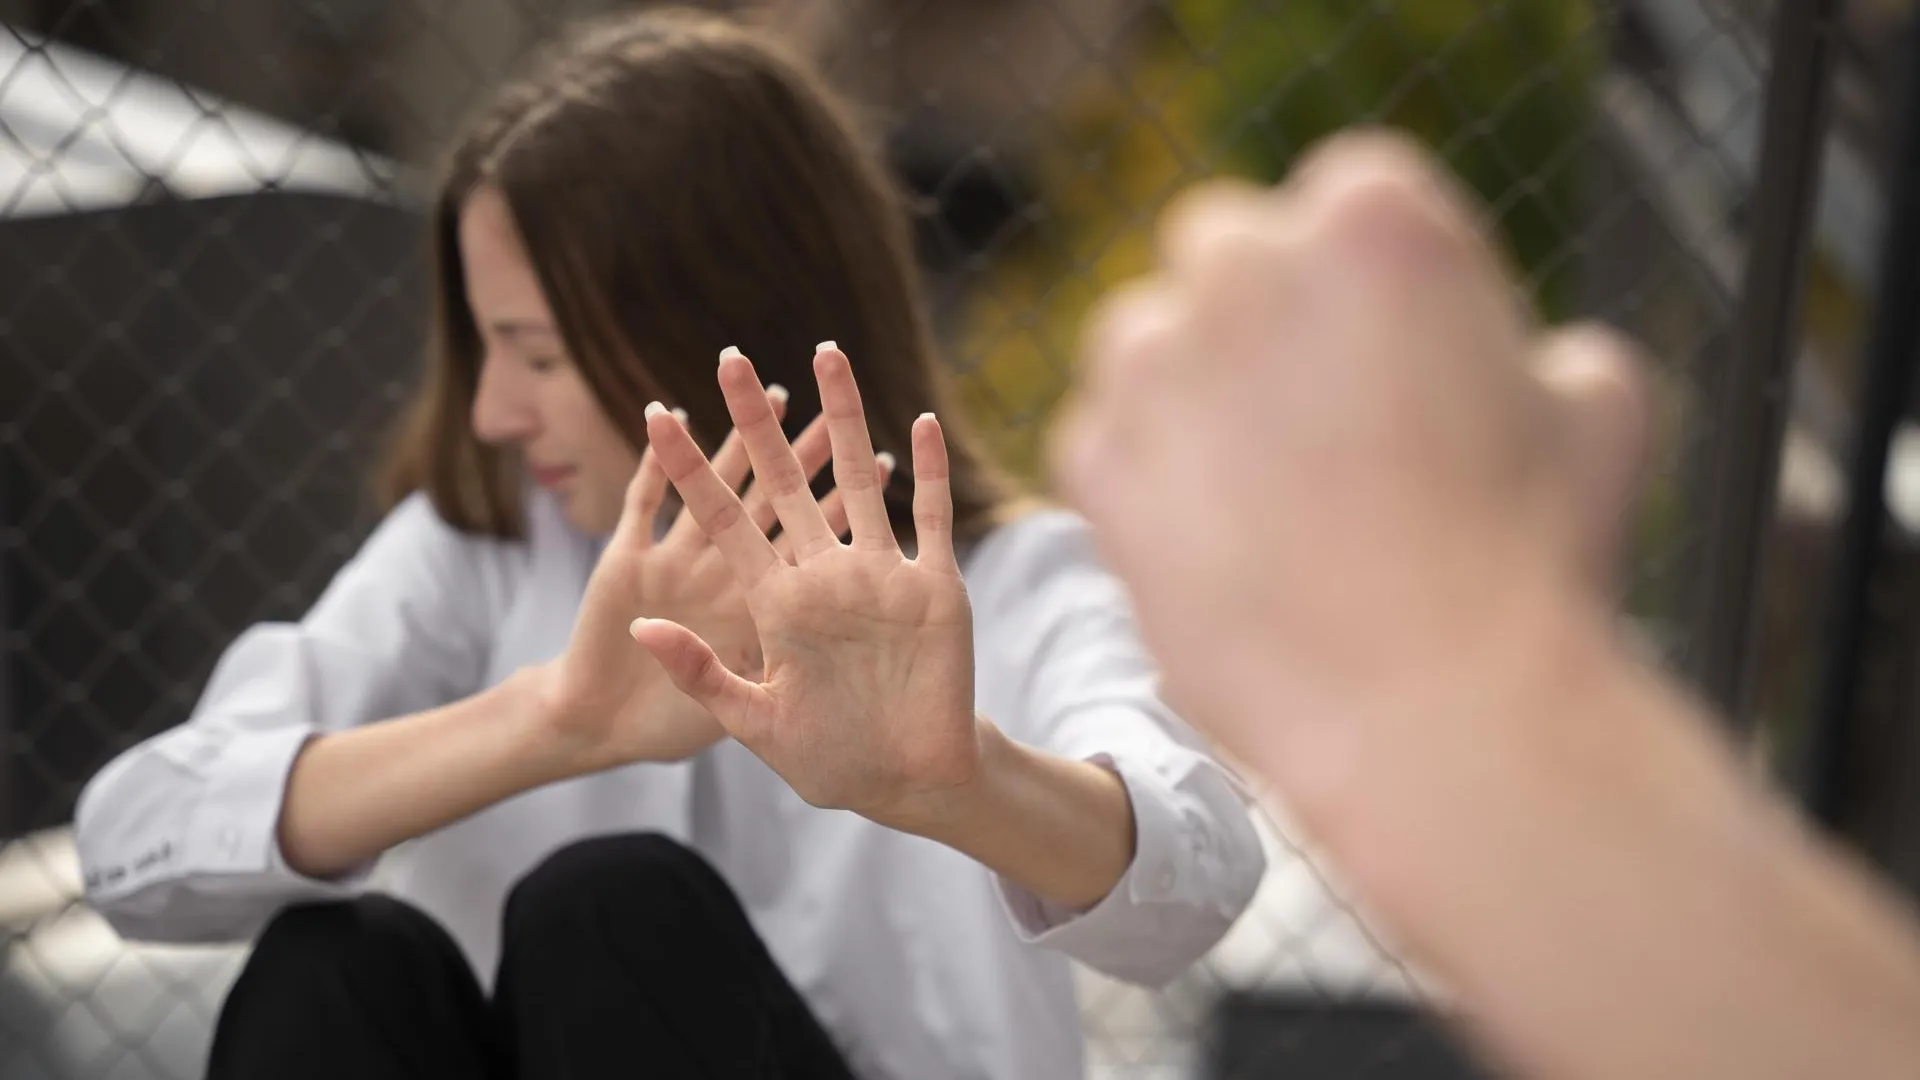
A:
919,961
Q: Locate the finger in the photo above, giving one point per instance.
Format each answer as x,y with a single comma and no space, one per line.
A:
932,498
774,465
1602,416
694,667
645,493
813,449
1360,157
711,502
854,475
834,506
729,463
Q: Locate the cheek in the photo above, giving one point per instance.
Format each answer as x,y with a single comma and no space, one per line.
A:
603,450
606,466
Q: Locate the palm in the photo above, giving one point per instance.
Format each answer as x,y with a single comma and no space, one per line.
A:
619,706
867,698
616,701
848,637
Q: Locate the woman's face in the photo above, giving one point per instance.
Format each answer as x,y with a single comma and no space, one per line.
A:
531,396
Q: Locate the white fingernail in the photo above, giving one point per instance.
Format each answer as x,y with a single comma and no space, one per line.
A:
885,459
731,350
680,414
825,345
776,392
926,416
654,409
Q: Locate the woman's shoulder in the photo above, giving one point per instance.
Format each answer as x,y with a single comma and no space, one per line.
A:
415,523
414,555
1041,547
414,529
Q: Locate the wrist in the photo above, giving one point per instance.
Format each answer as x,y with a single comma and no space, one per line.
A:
1440,703
1061,828
946,805
1572,737
545,727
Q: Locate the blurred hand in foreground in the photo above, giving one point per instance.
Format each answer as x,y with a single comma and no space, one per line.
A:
1332,455
1370,513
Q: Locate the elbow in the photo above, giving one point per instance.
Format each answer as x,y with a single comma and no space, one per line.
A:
97,799
1187,927
97,825
131,919
1243,865
170,913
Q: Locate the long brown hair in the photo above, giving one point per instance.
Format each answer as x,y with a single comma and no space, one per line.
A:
682,184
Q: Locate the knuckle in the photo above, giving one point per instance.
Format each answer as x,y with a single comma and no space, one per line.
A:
1223,238
1384,188
1600,369
1203,203
707,670
1128,331
1375,203
725,516
1366,148
780,478
848,476
1077,449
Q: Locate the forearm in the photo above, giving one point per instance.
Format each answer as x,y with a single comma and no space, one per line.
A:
1588,867
354,794
1059,828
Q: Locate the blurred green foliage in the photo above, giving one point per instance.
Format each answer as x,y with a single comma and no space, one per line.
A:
1500,90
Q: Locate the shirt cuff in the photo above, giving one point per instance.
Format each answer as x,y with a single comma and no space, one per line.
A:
1141,924
239,821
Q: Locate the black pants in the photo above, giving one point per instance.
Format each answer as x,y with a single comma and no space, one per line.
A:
622,956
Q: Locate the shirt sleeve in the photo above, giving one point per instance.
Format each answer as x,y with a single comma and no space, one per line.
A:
1086,688
177,835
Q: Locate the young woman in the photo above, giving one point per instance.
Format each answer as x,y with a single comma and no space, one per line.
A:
902,793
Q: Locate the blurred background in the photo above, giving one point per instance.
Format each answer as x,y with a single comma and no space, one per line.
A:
211,299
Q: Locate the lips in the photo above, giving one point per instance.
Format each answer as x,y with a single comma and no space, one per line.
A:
550,476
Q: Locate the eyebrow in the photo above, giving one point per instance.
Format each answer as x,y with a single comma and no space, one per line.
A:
520,328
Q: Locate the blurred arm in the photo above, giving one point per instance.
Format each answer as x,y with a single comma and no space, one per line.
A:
1363,522
1579,853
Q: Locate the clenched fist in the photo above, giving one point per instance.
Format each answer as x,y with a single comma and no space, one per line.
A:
1335,459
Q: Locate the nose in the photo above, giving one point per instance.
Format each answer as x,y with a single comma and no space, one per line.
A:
503,411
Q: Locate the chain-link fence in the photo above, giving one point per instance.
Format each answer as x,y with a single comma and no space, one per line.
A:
211,298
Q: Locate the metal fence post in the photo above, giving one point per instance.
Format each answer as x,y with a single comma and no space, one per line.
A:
1886,392
1746,391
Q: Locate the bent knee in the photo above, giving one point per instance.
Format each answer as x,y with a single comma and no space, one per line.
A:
645,877
349,933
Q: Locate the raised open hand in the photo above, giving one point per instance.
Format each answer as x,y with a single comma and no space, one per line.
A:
866,699
610,700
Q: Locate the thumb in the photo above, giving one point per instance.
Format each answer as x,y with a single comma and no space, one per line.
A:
692,665
1603,412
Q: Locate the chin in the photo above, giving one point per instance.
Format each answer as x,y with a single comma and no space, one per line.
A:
586,516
